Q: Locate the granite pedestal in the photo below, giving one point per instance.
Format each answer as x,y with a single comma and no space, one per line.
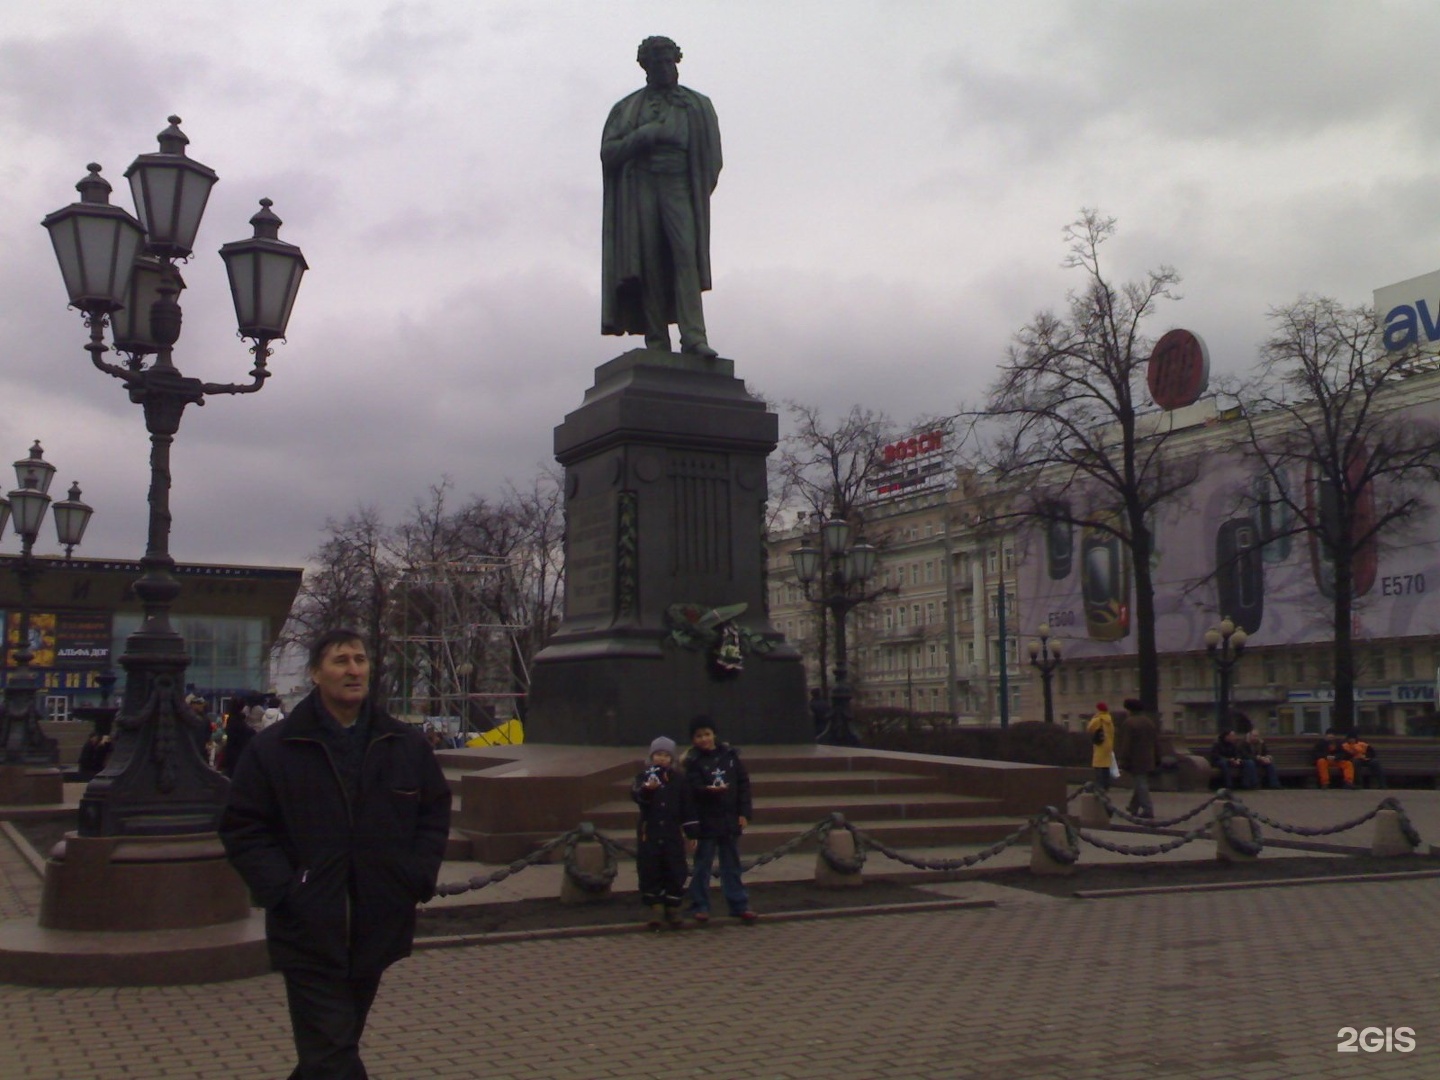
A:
665,493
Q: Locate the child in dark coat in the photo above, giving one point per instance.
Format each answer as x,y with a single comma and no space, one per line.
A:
721,787
667,821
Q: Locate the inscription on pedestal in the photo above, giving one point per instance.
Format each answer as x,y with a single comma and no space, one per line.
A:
590,556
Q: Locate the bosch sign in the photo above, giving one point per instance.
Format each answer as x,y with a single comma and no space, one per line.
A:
1410,314
913,464
913,447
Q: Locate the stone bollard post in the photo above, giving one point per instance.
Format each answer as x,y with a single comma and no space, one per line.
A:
589,859
840,843
1389,840
1090,812
1041,861
1225,848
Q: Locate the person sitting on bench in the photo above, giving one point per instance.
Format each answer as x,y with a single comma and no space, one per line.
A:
1227,756
1365,762
1330,755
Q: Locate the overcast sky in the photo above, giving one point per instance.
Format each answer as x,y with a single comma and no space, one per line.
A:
897,176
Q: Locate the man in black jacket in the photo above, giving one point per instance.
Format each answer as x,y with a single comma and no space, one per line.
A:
337,822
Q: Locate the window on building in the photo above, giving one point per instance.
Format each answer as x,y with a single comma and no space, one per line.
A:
1297,669
934,657
991,560
1080,680
914,573
1063,679
1270,668
889,619
1407,662
930,612
930,573
967,609
1377,665
1009,558
915,614
929,529
900,617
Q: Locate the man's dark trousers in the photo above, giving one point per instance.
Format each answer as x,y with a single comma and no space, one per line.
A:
327,1015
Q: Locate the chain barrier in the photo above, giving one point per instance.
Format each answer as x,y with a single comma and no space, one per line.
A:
480,881
1091,788
1227,813
1231,809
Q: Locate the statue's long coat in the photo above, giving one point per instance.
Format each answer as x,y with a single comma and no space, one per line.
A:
621,311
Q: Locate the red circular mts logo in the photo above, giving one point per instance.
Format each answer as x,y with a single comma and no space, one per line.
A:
1179,370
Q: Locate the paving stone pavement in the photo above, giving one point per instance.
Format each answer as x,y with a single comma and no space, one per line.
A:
1250,984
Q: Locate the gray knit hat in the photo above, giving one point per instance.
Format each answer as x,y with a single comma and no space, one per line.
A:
662,743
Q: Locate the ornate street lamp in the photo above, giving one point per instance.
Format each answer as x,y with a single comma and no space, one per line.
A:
21,740
117,266
1224,643
1045,656
839,570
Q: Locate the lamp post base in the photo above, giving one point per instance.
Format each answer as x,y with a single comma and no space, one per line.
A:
156,781
20,736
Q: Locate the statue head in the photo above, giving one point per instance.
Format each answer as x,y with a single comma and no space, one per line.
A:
659,57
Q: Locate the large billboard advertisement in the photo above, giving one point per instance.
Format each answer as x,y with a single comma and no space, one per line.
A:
64,639
1409,312
917,463
1224,547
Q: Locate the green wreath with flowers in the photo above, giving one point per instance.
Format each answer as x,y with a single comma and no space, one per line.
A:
695,626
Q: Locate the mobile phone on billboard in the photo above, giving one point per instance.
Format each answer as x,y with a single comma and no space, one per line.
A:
1322,508
1239,573
1059,541
1104,585
1273,516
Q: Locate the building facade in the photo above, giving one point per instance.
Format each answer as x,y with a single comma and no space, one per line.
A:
84,609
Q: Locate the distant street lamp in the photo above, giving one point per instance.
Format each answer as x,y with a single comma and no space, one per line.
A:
1045,656
840,570
123,270
1224,643
22,740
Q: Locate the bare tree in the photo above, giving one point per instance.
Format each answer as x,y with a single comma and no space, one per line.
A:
1072,442
349,583
1326,418
827,471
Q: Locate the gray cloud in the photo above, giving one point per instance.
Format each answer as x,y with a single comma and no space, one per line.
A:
890,211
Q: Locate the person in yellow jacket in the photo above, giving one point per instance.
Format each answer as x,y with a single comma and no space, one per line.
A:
1101,730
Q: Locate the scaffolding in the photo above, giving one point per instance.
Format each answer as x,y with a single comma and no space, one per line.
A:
452,659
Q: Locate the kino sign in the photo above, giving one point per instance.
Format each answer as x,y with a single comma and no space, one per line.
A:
1409,312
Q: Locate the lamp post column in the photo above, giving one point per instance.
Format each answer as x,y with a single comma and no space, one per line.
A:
117,267
1045,656
22,742
1224,643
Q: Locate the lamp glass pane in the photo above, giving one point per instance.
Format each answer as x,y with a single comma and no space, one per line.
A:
107,249
190,208
132,322
27,509
278,284
71,519
836,532
34,473
807,563
4,514
241,267
65,235
153,189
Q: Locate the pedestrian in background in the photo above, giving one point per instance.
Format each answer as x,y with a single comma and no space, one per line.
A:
1140,757
1101,729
